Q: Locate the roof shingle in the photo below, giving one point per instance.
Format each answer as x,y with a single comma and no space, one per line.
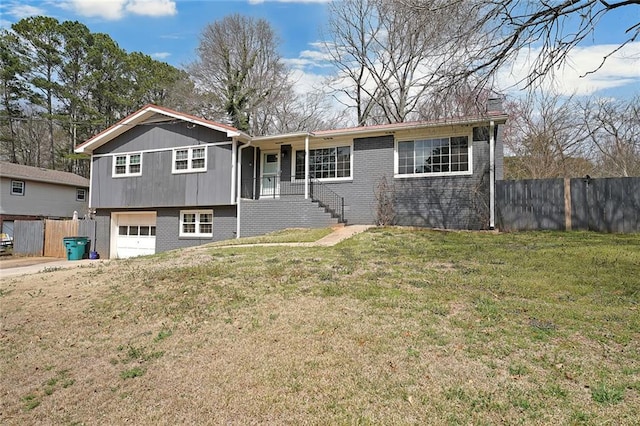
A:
19,171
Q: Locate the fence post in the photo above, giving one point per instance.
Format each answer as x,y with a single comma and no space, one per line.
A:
567,204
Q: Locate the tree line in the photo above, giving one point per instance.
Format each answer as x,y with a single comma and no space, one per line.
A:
394,61
61,84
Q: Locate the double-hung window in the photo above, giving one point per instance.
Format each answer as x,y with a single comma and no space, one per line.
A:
196,223
325,163
438,157
127,164
81,194
187,160
17,187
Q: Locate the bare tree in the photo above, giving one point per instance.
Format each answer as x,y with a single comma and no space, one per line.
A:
614,129
309,112
556,27
545,138
393,56
239,66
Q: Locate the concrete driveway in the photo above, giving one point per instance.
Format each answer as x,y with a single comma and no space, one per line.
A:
12,266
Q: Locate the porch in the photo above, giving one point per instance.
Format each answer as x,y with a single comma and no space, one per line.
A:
270,203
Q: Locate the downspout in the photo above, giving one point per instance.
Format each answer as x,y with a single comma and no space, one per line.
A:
492,176
239,192
306,167
234,160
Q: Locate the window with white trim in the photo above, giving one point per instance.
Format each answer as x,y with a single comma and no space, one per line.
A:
187,160
17,187
325,163
196,223
438,156
81,194
127,164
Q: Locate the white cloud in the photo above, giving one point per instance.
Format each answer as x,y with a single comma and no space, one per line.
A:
20,11
152,7
107,9
574,77
161,55
116,9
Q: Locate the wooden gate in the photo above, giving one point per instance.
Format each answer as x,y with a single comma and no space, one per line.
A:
54,232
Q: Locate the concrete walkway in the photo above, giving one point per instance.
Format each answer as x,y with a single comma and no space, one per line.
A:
339,234
34,265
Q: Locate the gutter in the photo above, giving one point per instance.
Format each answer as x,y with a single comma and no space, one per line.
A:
239,182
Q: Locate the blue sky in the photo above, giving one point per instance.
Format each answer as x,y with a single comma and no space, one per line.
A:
168,30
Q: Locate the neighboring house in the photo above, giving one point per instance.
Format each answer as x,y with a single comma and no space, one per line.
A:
33,193
162,180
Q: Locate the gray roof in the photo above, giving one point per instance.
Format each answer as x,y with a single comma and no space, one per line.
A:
39,174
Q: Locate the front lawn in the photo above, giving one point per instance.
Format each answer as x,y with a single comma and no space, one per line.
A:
393,326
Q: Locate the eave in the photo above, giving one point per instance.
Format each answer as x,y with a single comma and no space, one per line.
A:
145,113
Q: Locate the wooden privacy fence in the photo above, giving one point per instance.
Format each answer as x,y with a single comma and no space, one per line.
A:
604,205
45,237
28,237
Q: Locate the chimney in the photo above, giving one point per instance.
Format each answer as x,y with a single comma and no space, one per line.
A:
494,106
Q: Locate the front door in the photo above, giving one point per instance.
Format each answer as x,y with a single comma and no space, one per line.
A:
269,182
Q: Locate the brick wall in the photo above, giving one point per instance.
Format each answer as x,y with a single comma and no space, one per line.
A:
259,217
168,228
103,225
453,202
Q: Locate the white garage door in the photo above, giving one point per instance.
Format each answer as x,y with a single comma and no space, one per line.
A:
136,234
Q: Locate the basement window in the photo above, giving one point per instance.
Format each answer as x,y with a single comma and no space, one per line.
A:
196,223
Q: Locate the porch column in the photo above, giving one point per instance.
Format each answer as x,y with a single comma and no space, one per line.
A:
306,167
234,161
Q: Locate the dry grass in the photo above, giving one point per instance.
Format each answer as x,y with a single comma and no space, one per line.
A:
391,327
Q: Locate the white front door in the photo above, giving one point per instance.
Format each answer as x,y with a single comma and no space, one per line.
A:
269,181
135,234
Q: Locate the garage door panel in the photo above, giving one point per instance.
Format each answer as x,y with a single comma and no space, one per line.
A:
136,234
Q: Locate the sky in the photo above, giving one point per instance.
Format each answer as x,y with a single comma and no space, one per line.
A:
169,30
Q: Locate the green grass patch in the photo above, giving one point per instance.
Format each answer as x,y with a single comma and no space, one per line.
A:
294,235
132,373
392,326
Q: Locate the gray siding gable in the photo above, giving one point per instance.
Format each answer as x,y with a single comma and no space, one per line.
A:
161,136
158,186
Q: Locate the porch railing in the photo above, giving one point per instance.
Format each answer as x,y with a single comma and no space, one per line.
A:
332,202
274,187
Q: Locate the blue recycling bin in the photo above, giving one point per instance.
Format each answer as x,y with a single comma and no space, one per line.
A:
76,247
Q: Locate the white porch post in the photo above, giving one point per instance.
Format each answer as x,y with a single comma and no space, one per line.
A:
234,160
239,192
492,176
306,167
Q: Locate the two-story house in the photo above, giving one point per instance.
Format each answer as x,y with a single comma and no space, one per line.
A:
162,180
33,193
